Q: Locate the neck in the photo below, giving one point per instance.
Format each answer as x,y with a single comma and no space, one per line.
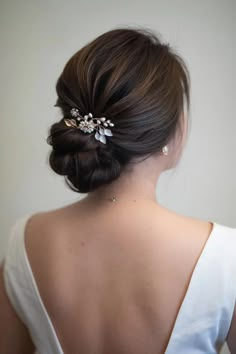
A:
129,186
119,195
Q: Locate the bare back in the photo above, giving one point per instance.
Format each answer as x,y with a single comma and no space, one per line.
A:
113,278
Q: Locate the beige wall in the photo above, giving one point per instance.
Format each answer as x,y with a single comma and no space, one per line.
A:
38,37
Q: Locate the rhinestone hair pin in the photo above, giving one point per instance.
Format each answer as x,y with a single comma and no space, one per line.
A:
89,124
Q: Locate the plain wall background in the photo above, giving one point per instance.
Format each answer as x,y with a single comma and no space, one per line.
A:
38,37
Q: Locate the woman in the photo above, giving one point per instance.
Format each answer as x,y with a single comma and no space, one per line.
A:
116,272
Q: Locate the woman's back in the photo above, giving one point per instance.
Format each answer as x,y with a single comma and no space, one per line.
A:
113,278
127,277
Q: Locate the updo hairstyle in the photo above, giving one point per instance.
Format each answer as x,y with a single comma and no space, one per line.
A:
128,76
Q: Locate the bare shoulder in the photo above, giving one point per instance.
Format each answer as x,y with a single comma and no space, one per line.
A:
177,223
43,233
44,226
44,220
184,233
49,228
37,229
49,236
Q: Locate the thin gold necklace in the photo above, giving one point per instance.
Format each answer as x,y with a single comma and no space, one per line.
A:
114,199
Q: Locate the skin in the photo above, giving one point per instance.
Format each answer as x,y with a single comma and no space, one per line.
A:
113,250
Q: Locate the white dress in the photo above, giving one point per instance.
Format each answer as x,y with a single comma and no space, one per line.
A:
204,318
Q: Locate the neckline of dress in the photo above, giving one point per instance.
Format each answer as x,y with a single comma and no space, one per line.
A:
205,248
25,220
195,271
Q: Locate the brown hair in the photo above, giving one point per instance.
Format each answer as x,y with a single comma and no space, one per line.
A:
131,78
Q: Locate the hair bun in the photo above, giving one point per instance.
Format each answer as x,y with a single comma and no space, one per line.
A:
146,100
84,162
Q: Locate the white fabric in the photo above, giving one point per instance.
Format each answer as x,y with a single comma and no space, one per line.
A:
203,320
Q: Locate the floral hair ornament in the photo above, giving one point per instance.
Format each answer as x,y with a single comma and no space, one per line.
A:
89,124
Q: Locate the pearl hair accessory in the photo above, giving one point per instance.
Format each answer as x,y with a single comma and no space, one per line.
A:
88,124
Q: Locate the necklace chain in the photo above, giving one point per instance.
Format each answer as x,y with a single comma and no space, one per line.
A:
114,199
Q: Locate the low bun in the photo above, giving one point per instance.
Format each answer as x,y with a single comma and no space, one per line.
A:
86,163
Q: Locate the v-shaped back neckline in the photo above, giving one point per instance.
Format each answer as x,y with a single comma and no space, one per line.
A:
193,278
194,275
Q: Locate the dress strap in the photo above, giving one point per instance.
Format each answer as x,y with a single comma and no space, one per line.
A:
205,315
23,292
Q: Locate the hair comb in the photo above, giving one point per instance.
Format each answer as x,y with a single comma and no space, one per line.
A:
89,124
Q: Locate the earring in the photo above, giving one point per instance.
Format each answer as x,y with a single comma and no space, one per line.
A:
165,150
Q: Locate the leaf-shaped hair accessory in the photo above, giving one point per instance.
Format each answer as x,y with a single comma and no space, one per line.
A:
108,132
88,124
70,123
